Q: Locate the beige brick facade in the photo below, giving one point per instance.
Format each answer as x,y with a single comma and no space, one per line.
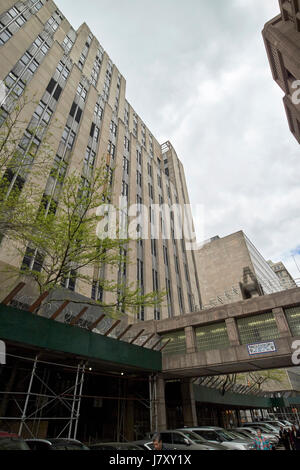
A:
79,51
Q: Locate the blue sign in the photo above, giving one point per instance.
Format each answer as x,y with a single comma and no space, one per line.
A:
261,348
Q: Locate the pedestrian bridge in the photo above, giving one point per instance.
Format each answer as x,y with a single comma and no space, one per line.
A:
249,335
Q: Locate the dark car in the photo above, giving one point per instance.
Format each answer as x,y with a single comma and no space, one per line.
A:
115,446
55,444
9,441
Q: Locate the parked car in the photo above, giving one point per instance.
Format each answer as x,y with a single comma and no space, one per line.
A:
245,433
116,446
251,432
286,423
144,444
263,426
276,423
55,444
237,434
185,439
271,427
219,435
9,441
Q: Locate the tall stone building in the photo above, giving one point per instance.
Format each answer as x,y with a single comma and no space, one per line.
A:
282,41
286,280
81,98
232,269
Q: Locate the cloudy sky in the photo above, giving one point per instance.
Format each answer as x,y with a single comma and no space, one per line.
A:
197,73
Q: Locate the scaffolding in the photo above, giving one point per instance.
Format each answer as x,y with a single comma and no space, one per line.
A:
34,407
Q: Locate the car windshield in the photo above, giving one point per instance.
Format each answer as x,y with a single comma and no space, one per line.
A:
236,434
194,437
247,433
224,435
269,427
265,429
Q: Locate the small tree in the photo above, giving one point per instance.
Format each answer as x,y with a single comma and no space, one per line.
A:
64,242
19,156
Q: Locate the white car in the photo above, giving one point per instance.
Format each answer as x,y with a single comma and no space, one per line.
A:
252,433
218,435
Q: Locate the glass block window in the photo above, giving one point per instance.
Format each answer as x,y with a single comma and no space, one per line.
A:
212,337
293,318
176,344
257,328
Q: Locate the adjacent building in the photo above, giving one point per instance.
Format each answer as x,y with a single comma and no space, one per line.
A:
232,269
286,280
82,102
282,41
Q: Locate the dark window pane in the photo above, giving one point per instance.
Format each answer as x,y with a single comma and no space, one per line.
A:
51,85
57,92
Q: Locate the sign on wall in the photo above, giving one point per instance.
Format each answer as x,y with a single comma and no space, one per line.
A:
261,348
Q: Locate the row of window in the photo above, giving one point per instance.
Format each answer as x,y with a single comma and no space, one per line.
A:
25,68
14,18
84,52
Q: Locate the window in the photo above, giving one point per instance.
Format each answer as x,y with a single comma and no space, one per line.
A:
139,178
176,343
150,188
57,92
44,49
81,91
139,157
78,115
166,258
111,149
113,128
33,260
124,189
98,111
140,272
69,281
90,157
153,247
5,36
51,85
155,280
97,291
257,328
68,137
96,134
180,299
210,337
126,165
126,143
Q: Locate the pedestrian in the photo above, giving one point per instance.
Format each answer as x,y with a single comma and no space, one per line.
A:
261,443
297,439
157,442
292,435
284,438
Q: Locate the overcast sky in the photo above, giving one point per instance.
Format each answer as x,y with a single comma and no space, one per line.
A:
198,75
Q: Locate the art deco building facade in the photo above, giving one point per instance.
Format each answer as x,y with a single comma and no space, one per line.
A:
286,280
232,269
282,41
82,101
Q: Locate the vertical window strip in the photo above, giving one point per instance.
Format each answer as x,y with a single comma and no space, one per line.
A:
14,18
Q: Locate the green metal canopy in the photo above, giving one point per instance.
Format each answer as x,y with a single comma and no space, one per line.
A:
27,329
